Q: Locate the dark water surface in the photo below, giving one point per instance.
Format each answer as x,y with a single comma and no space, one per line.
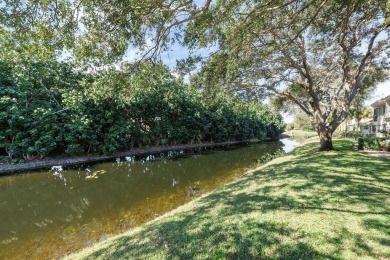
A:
49,214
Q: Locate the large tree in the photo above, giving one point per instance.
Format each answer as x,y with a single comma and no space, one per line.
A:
316,53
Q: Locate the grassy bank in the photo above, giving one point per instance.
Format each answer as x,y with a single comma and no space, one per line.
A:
333,205
303,133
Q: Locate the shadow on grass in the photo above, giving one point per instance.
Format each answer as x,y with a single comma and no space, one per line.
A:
319,205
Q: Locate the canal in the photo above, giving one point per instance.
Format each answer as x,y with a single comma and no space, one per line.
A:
49,214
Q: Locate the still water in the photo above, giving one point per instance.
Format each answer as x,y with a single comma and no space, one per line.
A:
49,214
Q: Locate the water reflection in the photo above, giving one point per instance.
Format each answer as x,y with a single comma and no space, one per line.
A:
289,144
49,214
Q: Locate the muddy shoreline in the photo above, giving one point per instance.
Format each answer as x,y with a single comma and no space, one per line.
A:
7,168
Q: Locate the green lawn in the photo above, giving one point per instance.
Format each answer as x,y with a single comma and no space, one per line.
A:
332,205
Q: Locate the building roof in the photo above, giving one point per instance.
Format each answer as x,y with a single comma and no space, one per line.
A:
366,121
381,101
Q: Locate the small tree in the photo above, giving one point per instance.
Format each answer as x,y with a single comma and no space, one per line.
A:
359,113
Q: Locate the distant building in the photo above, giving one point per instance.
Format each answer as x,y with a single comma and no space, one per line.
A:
366,126
378,125
352,125
381,119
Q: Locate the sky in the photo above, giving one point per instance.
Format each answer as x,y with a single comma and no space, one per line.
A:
383,90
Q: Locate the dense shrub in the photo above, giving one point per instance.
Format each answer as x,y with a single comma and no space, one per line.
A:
95,127
31,107
373,143
353,134
47,108
360,143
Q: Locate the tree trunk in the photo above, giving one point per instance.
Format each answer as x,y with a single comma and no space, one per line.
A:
325,141
324,131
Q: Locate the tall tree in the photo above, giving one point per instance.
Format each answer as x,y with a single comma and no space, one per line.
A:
318,54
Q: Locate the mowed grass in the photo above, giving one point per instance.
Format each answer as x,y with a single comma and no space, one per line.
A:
302,133
307,205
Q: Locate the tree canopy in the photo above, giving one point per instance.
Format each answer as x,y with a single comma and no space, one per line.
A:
318,54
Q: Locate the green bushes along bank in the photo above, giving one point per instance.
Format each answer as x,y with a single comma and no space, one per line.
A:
49,108
373,143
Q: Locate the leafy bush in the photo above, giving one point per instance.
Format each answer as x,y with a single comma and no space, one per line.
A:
353,134
360,143
373,143
30,105
47,108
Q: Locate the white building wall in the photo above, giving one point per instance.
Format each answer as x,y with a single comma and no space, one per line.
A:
383,118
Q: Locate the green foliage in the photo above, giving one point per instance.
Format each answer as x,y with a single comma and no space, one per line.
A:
47,108
271,156
96,127
30,105
372,143
384,132
353,134
360,143
323,70
302,121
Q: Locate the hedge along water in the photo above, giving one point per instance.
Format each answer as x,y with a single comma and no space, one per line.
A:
48,109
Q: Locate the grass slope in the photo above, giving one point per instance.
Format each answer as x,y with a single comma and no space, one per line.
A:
333,205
